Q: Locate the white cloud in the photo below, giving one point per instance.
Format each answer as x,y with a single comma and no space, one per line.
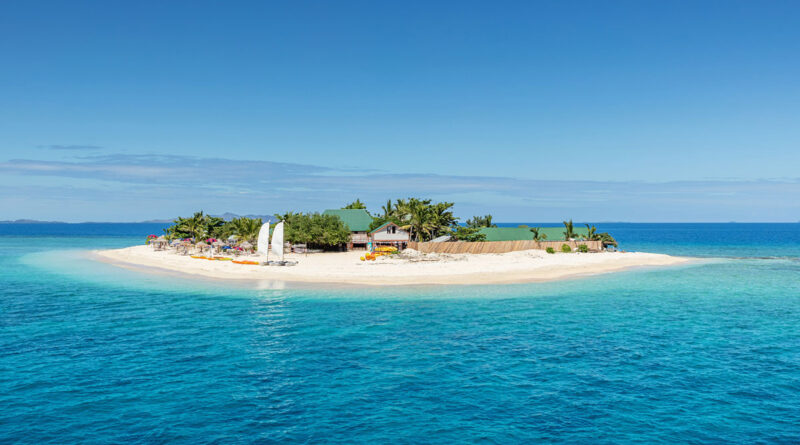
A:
166,185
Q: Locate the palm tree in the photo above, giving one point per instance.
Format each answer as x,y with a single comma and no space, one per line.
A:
286,216
607,239
592,233
442,218
245,228
400,209
569,233
169,233
480,221
357,204
388,209
197,225
537,236
422,219
418,218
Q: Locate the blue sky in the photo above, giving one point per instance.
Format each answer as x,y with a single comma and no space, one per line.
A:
532,111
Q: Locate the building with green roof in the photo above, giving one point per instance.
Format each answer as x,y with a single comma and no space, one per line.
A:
524,233
357,220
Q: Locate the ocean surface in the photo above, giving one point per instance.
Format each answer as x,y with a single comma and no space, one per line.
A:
705,353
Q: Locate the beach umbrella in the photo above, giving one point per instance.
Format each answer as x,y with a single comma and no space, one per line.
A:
217,244
201,244
246,245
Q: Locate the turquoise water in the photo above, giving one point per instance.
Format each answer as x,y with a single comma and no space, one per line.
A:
705,353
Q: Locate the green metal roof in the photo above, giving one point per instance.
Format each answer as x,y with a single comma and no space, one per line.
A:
357,220
382,226
506,233
524,233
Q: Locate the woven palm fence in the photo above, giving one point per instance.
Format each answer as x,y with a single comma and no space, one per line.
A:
499,246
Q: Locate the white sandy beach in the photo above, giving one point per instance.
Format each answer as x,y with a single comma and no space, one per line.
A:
409,268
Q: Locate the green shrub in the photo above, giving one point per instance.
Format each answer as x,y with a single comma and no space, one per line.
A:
583,248
315,230
565,248
470,234
550,250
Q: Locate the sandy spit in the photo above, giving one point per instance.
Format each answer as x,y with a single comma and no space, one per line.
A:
410,268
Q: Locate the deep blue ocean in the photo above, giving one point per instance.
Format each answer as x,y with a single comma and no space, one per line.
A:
704,353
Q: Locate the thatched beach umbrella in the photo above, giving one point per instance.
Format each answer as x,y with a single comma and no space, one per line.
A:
246,245
217,245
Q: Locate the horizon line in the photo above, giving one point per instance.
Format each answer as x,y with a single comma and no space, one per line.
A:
166,221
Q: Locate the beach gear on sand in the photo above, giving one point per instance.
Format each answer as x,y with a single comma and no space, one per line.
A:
277,242
262,244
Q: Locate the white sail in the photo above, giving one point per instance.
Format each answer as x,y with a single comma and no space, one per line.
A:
277,242
262,245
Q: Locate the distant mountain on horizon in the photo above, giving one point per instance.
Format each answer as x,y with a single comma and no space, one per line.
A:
31,221
227,216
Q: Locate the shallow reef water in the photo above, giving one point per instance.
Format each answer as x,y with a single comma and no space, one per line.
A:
705,353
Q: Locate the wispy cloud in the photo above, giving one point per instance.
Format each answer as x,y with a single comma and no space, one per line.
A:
71,147
219,184
164,169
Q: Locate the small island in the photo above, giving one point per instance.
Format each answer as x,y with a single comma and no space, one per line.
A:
410,242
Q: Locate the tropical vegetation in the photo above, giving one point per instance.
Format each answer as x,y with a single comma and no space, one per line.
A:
243,228
314,229
537,236
357,204
201,226
471,234
569,230
480,222
591,233
422,218
198,226
605,237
